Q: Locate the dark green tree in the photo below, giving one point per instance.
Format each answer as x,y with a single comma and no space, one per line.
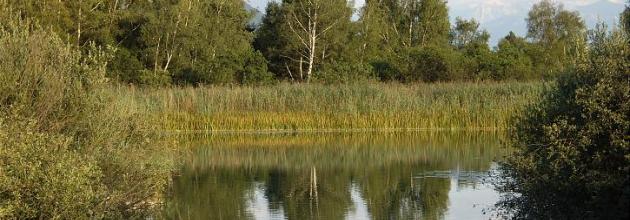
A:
514,59
572,151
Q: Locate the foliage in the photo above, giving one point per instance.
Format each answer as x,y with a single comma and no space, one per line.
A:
345,72
572,148
255,70
66,150
159,41
42,177
514,60
188,42
625,18
466,32
301,36
433,64
559,35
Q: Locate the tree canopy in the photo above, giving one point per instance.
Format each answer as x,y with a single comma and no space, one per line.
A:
192,42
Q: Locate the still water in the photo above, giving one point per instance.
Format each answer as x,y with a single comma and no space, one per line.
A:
393,175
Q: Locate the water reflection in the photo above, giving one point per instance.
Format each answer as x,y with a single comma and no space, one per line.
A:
411,175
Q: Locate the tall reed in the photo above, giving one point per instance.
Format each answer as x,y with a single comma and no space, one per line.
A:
471,106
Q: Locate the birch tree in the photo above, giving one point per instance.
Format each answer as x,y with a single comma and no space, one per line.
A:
311,32
310,21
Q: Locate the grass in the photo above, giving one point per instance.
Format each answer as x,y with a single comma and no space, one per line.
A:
302,107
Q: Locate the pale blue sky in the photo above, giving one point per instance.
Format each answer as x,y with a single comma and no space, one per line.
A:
501,16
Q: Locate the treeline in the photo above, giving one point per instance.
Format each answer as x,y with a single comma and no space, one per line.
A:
213,41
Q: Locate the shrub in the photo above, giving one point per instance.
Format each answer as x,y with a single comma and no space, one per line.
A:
344,72
125,67
66,150
434,64
385,70
255,71
42,177
572,149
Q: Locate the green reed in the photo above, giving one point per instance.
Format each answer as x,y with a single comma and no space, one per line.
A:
451,106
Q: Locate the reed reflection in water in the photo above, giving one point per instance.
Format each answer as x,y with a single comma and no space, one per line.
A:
377,175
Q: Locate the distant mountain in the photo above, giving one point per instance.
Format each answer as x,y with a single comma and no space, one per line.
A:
257,15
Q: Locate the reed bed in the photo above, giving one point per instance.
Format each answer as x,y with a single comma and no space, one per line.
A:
304,107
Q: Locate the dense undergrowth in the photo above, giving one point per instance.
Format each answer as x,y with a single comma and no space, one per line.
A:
67,151
450,106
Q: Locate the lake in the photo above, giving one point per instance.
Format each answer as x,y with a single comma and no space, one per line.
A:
362,175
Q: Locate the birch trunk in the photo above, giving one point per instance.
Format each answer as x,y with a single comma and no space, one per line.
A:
308,33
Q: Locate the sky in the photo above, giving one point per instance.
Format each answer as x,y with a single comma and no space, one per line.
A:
500,17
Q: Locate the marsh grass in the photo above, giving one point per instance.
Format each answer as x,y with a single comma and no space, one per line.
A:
302,107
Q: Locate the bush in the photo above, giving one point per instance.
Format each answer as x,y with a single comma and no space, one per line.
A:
255,71
572,149
41,176
126,68
66,150
344,72
434,64
385,70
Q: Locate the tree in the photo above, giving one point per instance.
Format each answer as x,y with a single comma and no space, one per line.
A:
559,33
571,159
514,59
393,31
466,32
433,22
480,61
198,41
311,32
433,64
186,41
80,21
374,36
305,22
415,22
625,18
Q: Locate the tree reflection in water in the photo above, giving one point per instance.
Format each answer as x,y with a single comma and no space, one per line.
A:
398,175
